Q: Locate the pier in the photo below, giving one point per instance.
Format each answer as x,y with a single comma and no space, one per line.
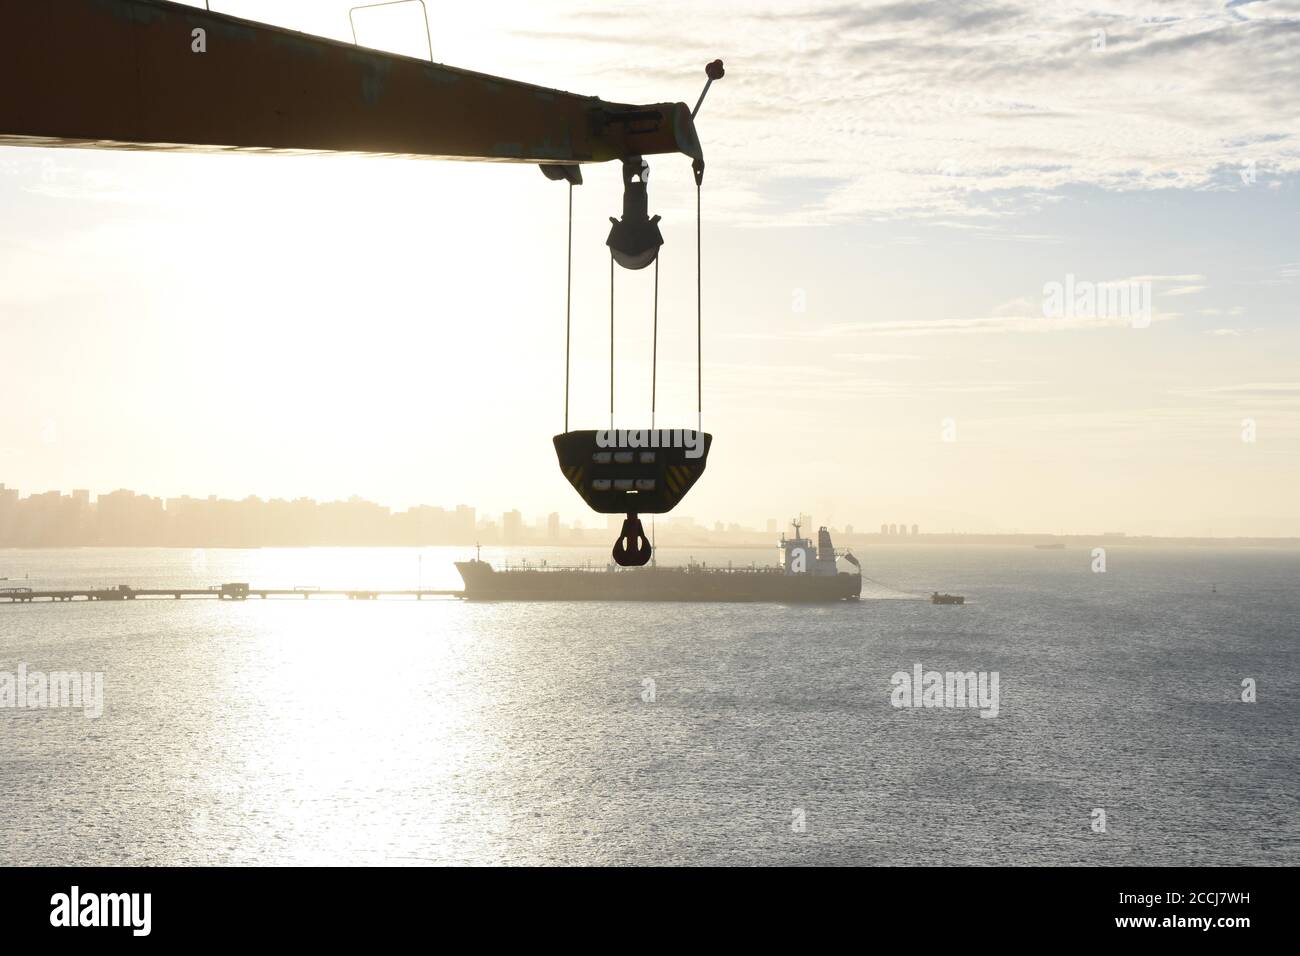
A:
221,592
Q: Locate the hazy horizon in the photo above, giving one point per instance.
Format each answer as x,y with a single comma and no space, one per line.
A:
495,522
893,193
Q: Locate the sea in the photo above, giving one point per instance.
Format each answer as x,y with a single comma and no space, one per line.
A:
1147,713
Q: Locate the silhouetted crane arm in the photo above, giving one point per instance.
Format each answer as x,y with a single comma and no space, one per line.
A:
157,75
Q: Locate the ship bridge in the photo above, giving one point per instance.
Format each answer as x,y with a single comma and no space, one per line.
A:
799,556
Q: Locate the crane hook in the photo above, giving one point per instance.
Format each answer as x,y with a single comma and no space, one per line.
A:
632,549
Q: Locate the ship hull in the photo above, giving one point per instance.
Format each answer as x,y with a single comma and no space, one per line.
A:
482,583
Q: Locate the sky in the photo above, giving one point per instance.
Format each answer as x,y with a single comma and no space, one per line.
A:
896,196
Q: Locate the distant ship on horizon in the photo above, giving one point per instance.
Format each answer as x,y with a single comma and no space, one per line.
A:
807,574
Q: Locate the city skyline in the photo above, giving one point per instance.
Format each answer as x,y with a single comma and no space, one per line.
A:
125,518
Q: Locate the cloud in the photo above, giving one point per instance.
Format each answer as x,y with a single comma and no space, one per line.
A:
1245,396
998,325
983,325
875,358
938,109
1258,388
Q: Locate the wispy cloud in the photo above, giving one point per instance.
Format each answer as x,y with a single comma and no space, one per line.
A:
954,110
983,325
875,358
1258,388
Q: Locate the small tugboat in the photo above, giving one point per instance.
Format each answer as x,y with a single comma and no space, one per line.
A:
937,598
807,574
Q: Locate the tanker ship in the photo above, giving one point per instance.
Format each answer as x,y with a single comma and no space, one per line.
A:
807,574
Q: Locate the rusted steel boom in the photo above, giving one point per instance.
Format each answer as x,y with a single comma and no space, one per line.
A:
158,75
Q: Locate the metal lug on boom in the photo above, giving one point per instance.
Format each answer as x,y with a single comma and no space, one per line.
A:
635,239
556,172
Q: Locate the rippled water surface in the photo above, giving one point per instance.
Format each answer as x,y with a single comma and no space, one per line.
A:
407,732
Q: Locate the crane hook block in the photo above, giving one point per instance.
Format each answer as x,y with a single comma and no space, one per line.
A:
632,549
635,239
626,471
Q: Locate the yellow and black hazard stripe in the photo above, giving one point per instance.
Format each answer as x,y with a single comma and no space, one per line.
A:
678,478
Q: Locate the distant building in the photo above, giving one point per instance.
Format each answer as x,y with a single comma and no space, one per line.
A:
553,527
893,529
848,530
8,513
465,524
126,518
884,529
916,529
512,527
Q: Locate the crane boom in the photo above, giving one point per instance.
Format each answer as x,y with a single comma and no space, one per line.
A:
152,74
